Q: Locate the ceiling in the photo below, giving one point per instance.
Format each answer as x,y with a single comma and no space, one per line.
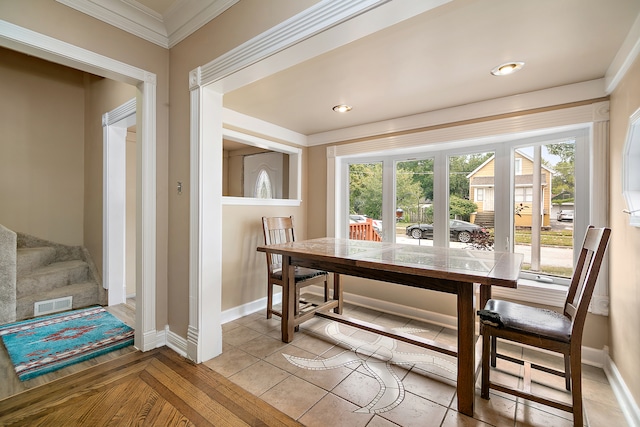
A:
439,59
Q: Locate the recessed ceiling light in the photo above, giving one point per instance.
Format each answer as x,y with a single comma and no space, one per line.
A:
508,68
342,108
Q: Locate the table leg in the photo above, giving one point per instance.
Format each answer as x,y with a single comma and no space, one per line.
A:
485,295
288,299
337,292
466,349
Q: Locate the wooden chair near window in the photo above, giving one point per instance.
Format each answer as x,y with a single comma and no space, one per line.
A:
546,329
280,230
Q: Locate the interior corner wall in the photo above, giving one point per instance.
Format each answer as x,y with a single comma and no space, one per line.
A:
101,96
624,246
41,149
63,23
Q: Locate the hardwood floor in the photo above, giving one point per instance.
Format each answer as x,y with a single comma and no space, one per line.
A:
127,387
11,385
158,387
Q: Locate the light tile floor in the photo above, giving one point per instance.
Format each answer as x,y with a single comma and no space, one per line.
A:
333,374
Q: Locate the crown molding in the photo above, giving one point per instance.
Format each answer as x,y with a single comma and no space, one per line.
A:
592,89
625,57
166,30
186,16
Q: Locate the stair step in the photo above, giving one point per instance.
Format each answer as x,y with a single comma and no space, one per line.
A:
30,259
84,294
54,275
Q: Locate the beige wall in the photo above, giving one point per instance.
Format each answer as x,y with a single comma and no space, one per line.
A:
101,96
624,248
246,19
51,169
52,163
41,148
63,23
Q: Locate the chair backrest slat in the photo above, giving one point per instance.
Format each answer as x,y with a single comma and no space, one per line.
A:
585,275
277,230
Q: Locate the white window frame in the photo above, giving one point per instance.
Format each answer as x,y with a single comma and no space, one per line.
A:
504,147
295,170
518,166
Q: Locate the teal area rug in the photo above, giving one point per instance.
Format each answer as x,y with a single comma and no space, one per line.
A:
45,344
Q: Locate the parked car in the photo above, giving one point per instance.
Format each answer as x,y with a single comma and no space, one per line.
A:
461,231
377,224
565,216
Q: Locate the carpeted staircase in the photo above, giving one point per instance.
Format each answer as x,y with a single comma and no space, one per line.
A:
48,271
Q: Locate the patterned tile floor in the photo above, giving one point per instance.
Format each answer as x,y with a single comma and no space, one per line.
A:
333,374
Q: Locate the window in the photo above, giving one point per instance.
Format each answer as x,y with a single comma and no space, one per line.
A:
257,171
474,218
518,166
365,201
263,186
414,198
544,218
520,192
523,194
631,170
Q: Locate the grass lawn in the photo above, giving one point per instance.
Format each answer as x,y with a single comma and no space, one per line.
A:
547,237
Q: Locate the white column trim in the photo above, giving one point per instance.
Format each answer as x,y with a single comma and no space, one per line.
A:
204,333
114,185
115,124
146,214
600,199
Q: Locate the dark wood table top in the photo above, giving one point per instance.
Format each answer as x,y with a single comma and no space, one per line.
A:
452,264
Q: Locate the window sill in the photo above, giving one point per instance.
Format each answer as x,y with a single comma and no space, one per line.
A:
250,201
533,292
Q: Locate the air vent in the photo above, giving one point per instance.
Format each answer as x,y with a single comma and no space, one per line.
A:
52,306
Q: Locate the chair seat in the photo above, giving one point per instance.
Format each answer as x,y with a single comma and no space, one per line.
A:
302,273
532,321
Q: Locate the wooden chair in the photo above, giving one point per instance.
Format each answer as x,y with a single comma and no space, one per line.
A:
280,230
546,329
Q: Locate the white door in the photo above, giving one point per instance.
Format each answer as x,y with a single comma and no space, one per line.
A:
488,199
263,175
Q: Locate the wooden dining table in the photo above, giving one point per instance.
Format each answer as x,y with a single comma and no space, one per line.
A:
449,270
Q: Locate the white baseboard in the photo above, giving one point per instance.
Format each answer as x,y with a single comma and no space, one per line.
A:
249,308
623,395
397,309
176,342
167,338
359,300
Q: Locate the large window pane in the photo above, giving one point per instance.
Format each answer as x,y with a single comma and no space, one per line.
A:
543,209
365,201
471,200
414,207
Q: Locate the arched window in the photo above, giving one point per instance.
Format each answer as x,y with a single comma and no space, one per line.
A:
263,188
